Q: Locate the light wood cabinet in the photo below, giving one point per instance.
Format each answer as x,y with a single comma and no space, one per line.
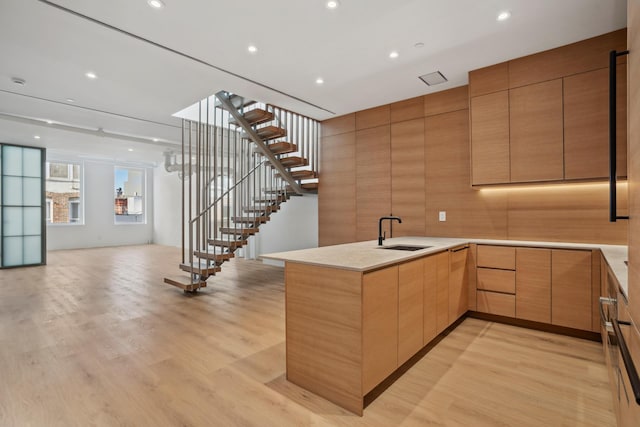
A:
379,326
410,309
536,133
533,284
502,257
496,303
430,297
407,177
571,288
458,283
373,181
586,124
442,291
490,138
490,279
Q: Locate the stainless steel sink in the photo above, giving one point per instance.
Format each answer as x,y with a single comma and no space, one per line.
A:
404,247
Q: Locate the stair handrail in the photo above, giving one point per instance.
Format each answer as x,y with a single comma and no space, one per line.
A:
284,173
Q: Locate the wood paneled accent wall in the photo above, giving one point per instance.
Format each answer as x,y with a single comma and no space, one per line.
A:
428,169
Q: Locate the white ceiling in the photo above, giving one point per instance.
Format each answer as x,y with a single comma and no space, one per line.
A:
141,85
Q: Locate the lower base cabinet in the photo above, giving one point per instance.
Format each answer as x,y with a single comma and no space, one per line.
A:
533,284
571,299
379,326
410,309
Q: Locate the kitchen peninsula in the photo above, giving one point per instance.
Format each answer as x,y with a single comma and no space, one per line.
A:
357,312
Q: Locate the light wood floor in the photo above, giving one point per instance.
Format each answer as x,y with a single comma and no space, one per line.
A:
96,338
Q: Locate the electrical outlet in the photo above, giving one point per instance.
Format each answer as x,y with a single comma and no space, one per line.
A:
442,216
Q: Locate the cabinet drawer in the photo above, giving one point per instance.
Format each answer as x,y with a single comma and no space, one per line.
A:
496,280
495,303
503,257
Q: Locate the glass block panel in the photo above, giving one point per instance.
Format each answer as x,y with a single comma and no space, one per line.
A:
32,250
31,162
11,160
12,221
12,190
12,251
32,192
32,221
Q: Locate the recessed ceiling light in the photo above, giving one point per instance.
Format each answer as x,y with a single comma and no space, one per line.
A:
319,81
18,81
49,122
503,16
130,149
252,49
36,136
155,139
91,75
156,4
333,4
394,55
71,100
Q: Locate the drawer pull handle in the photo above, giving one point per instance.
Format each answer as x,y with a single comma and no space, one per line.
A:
632,373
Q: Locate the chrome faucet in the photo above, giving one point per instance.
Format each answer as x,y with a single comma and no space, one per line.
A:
381,236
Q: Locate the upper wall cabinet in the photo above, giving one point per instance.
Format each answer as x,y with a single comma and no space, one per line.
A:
490,136
544,117
535,119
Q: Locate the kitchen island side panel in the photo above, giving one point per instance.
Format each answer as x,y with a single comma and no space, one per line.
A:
324,332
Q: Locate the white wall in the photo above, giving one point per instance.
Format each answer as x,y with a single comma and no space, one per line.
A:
99,228
294,226
167,202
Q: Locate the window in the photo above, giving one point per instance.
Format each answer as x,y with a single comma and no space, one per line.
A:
74,210
129,195
49,210
64,193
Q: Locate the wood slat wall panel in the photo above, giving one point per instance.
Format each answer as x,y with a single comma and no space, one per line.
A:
373,180
407,177
567,213
373,117
446,101
337,190
490,79
407,110
470,213
586,55
338,125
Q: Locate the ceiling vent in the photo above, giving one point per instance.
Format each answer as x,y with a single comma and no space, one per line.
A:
434,78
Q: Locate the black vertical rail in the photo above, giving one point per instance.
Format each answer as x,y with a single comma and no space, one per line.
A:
613,214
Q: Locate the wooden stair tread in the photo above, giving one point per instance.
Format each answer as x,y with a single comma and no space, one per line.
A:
310,186
261,209
269,132
293,161
200,268
281,147
255,117
302,174
279,199
184,283
213,256
243,231
230,244
251,220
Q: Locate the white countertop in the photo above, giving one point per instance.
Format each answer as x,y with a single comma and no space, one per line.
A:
365,256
